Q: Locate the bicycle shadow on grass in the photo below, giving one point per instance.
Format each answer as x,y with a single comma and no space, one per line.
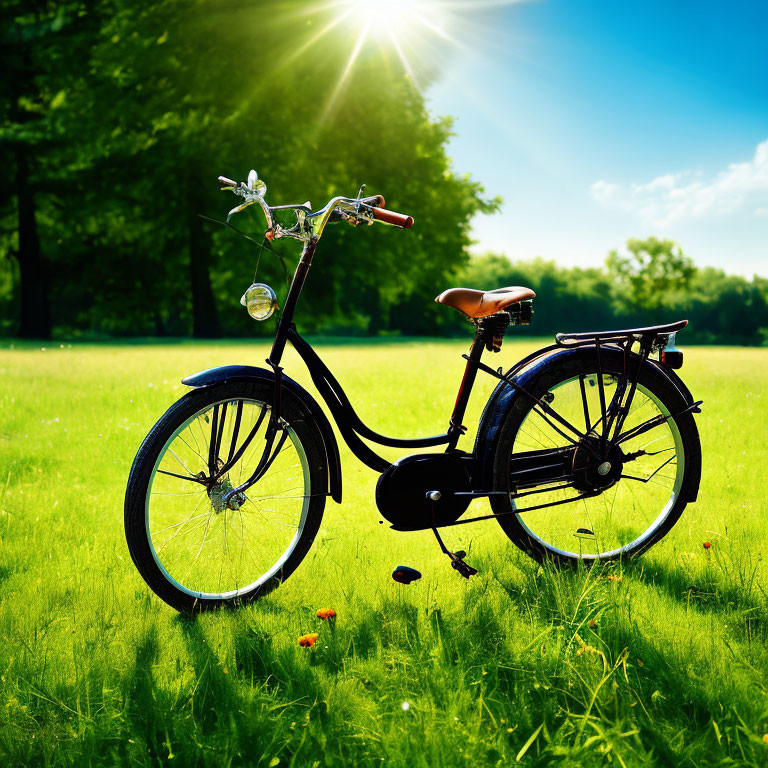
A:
584,620
148,709
710,591
254,657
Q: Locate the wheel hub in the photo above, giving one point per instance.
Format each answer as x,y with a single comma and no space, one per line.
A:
595,467
220,497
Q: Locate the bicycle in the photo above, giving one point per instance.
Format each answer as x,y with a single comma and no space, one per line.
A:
595,431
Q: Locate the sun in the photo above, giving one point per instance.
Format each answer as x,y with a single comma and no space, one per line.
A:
420,32
401,25
388,16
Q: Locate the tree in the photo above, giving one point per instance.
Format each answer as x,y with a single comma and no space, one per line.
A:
224,102
649,272
39,41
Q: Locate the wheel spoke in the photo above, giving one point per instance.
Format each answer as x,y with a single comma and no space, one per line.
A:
235,430
181,477
170,527
646,479
194,450
585,406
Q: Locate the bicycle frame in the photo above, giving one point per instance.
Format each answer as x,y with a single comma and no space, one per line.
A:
538,468
350,425
352,428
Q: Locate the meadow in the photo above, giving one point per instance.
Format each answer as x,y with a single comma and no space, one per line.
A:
660,661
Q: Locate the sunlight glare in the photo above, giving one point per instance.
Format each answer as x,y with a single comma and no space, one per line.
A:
421,33
389,15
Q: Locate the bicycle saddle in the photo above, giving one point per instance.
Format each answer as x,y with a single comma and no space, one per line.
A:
475,303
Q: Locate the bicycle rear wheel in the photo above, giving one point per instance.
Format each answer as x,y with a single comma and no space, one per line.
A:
654,471
197,541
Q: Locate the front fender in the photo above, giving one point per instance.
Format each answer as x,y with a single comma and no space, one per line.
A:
291,389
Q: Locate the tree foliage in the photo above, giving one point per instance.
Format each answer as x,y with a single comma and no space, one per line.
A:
126,112
118,116
721,308
649,272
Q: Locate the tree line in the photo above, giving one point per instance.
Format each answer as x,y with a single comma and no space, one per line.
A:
649,282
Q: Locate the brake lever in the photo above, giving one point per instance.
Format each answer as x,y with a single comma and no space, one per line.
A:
239,208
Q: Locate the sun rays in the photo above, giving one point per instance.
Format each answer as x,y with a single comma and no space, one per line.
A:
420,33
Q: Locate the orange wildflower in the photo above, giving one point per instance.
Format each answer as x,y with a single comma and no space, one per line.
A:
611,577
326,613
307,641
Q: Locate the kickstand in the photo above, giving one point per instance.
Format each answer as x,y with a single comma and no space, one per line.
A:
457,558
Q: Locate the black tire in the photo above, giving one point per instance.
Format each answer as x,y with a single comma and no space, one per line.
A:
683,437
302,437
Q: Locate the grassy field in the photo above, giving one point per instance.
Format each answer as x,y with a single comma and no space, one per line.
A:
664,663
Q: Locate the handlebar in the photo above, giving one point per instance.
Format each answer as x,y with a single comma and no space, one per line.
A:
310,224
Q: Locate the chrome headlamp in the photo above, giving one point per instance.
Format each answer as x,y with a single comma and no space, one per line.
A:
260,301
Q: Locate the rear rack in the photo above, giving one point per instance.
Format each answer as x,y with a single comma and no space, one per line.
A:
568,339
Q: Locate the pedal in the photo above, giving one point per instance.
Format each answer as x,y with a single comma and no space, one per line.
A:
458,564
457,558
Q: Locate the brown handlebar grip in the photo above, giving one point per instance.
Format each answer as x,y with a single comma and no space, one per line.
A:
377,201
225,182
390,217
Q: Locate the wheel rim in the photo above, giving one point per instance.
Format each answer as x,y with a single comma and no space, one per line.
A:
622,518
203,547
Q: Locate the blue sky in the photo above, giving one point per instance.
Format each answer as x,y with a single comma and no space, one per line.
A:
598,121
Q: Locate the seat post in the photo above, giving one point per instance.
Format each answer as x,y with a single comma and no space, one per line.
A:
456,428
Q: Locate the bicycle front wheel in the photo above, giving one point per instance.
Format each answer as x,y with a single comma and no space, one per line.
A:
197,540
649,478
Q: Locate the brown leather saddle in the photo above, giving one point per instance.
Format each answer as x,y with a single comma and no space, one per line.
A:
475,303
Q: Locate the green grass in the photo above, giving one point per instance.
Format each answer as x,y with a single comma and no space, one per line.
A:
667,665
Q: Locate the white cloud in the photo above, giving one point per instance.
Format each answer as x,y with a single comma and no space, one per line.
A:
686,195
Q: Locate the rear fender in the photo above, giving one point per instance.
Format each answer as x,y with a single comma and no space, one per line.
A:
290,389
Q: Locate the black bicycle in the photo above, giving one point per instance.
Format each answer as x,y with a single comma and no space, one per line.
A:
587,449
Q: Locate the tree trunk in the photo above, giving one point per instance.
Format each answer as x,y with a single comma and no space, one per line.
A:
205,320
35,311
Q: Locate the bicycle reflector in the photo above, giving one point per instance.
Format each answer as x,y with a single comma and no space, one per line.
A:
260,301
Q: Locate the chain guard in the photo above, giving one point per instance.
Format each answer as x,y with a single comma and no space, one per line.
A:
401,492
